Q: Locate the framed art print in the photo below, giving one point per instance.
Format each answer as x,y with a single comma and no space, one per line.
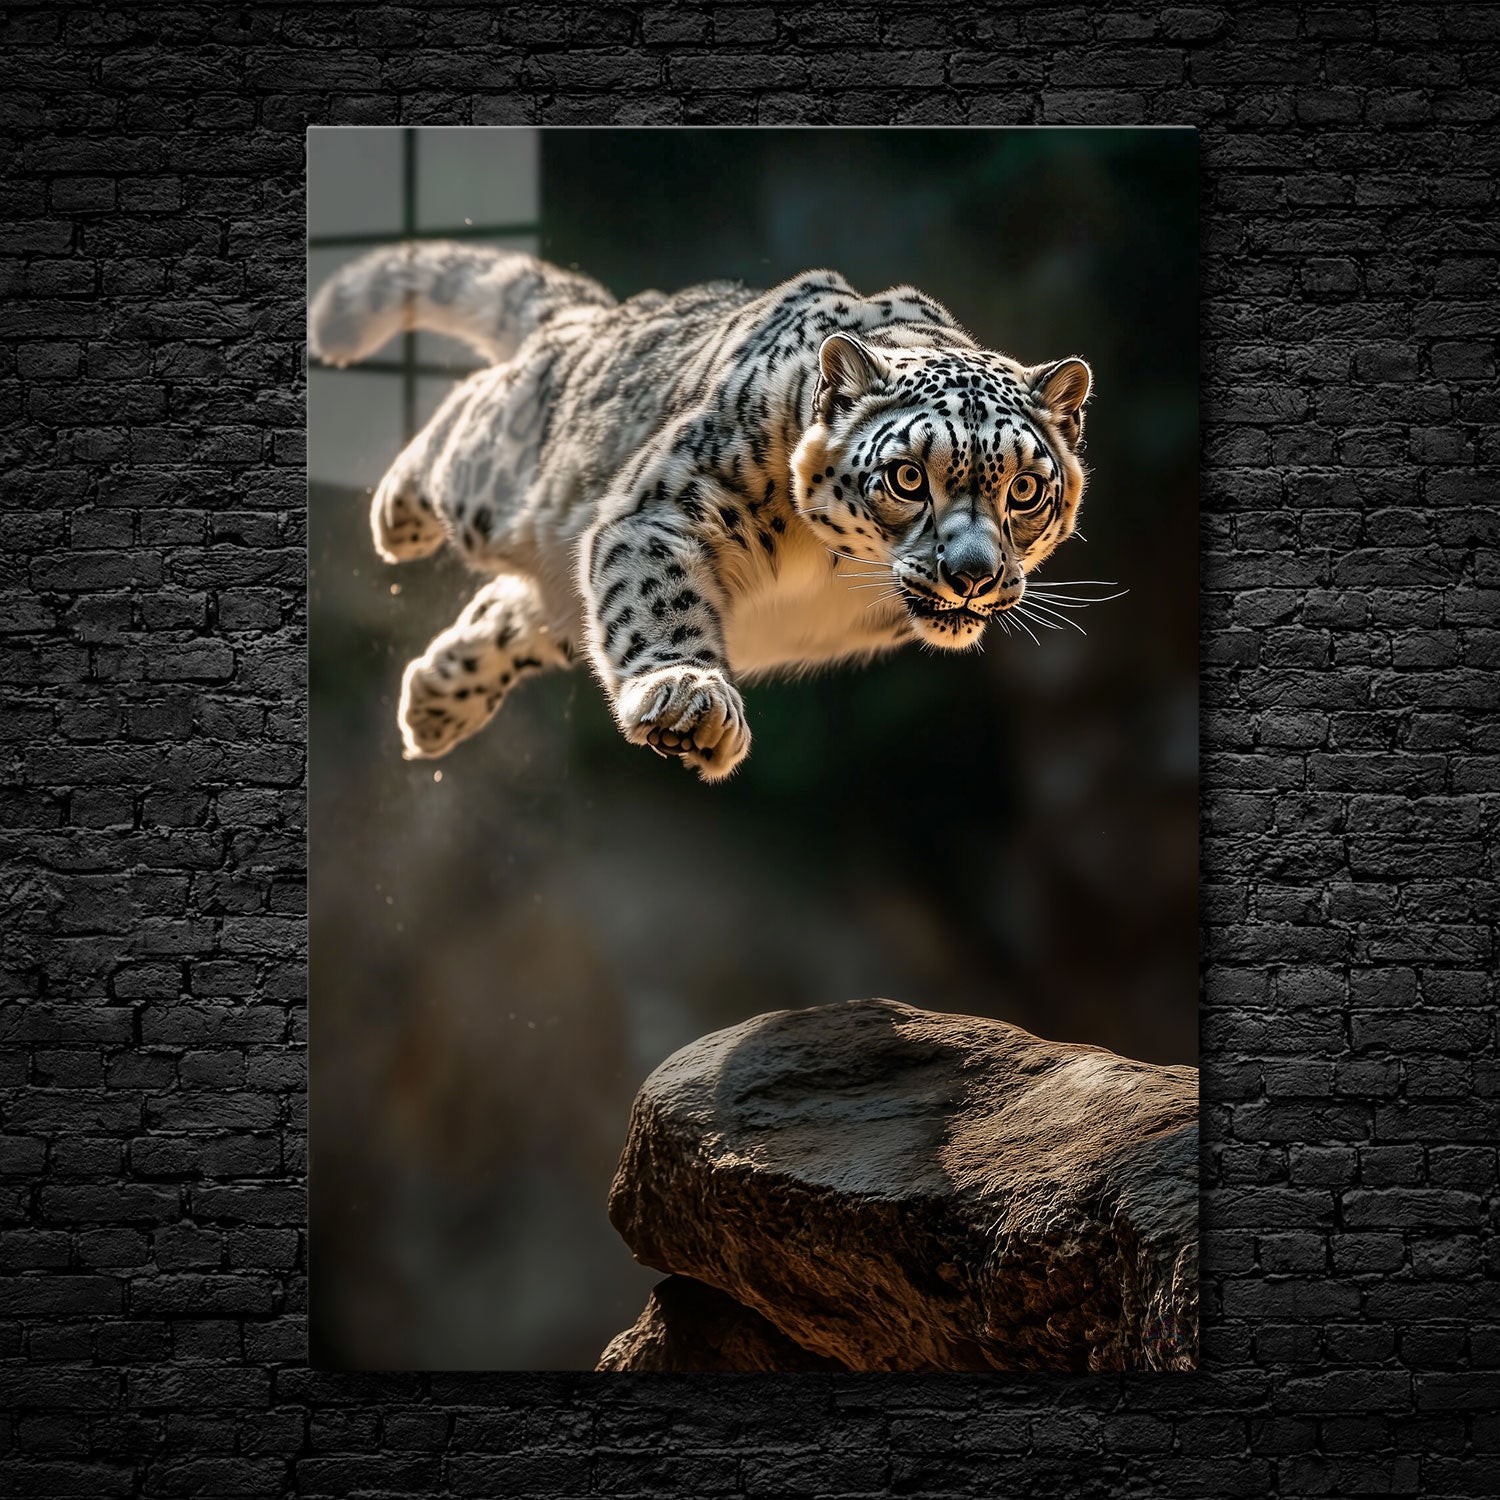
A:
754,729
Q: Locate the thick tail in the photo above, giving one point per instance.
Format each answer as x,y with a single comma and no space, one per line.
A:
489,298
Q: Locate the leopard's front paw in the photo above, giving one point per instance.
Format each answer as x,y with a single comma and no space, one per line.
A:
693,713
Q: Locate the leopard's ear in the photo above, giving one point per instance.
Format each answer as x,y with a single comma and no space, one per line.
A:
1061,389
847,368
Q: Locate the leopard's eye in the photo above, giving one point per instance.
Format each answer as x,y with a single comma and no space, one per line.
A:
905,479
1025,492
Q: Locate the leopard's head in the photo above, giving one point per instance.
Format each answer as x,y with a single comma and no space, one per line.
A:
956,469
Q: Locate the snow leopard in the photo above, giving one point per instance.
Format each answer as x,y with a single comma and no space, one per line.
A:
692,489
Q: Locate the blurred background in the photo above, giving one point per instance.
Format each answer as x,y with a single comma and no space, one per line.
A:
505,942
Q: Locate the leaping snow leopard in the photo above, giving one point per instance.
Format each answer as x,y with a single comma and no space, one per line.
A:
697,488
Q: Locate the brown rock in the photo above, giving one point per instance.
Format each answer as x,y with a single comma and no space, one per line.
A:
897,1189
687,1326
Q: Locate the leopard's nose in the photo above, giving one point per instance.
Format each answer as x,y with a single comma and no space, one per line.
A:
970,561
969,581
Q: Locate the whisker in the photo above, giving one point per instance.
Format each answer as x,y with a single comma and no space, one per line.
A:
1024,626
1082,601
1036,619
1077,583
854,588
1061,603
850,557
1042,609
884,598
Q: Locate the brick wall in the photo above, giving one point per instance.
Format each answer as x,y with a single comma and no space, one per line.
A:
151,1022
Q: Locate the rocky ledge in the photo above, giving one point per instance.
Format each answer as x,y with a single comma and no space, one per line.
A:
873,1187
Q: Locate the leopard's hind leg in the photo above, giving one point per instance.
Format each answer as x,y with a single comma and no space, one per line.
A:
406,517
455,687
403,520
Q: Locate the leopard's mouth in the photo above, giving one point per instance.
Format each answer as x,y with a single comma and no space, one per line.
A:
924,601
942,624
930,608
925,609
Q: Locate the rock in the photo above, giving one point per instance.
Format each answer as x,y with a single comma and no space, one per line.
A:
690,1327
896,1189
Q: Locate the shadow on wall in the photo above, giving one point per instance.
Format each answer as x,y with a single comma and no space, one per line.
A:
501,955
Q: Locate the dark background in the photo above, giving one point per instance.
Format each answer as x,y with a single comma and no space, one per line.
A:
499,957
151,1319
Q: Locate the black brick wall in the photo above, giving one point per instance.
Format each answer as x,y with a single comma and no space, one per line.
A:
151,983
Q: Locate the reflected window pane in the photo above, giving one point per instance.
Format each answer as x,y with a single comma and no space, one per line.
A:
354,181
353,425
480,176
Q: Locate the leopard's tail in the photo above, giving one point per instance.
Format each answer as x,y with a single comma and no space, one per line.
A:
492,299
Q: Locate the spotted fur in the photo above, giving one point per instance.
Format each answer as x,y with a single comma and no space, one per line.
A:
694,489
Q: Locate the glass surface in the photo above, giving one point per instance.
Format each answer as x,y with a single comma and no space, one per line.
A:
354,180
501,955
482,176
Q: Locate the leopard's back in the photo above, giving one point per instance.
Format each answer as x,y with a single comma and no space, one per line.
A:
518,460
